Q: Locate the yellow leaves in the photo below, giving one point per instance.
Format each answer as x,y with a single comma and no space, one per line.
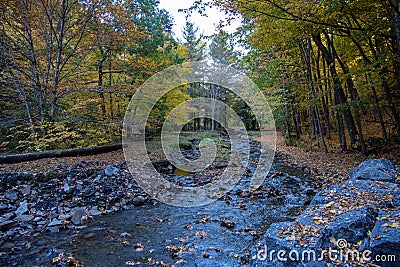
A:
204,220
290,238
392,225
320,221
201,234
330,204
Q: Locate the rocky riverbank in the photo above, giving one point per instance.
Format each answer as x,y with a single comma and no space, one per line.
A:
352,224
65,198
42,212
69,199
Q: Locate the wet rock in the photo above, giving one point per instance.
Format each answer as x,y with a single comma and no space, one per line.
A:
25,218
353,226
11,195
55,222
53,229
68,189
4,226
111,171
396,199
329,194
76,216
97,179
374,187
23,207
26,190
64,217
138,201
385,237
374,169
95,212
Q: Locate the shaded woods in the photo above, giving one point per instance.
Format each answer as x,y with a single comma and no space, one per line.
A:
329,69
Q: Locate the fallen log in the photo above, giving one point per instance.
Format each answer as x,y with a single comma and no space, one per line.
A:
73,152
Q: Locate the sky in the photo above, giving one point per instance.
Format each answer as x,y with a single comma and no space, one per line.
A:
206,25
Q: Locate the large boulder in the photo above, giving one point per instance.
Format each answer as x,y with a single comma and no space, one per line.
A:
385,238
329,194
375,193
374,169
283,246
349,213
396,199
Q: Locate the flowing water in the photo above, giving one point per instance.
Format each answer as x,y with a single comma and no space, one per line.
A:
219,234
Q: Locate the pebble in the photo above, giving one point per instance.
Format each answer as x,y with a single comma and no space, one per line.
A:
55,222
76,217
138,201
111,170
95,212
64,217
26,190
68,189
11,195
33,203
23,207
25,218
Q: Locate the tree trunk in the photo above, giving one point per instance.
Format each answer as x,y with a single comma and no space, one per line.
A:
340,98
74,152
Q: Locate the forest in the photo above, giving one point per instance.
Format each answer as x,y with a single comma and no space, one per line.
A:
329,69
278,139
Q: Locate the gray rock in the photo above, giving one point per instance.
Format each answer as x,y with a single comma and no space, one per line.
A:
381,188
396,199
11,195
275,240
64,217
26,190
55,222
95,212
23,207
25,218
138,201
7,216
111,170
76,215
68,189
97,179
353,226
53,229
330,194
380,164
374,169
385,237
375,187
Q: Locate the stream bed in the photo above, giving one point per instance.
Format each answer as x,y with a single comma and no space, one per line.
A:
222,233
219,234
